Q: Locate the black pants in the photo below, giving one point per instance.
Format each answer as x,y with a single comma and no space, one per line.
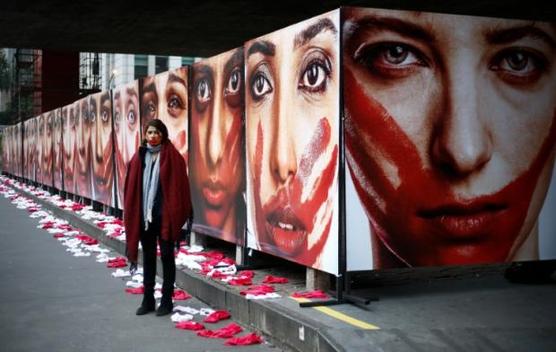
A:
148,242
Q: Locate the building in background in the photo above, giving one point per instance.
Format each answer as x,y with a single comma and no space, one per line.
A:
102,71
21,94
39,81
5,77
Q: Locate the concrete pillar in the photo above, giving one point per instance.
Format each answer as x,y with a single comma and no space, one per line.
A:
240,255
196,239
316,280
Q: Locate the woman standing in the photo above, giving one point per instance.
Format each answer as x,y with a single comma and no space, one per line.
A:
157,204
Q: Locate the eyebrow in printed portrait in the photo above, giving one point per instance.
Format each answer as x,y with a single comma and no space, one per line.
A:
263,47
321,26
234,60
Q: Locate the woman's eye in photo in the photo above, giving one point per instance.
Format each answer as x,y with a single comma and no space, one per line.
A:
175,105
150,108
93,117
315,76
204,93
131,117
390,60
234,82
518,65
104,116
174,102
260,85
396,54
117,116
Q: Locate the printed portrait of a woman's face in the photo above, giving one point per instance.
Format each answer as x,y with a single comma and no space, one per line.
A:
57,148
20,136
47,138
69,136
126,131
450,134
27,141
15,146
164,97
32,153
5,149
100,115
217,155
83,162
19,148
39,149
292,108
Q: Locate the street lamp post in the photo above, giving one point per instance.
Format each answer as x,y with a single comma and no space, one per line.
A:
112,78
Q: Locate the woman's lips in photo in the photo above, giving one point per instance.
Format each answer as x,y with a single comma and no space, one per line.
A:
68,173
214,193
286,230
102,176
464,221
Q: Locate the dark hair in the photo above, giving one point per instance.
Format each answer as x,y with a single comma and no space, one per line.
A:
159,125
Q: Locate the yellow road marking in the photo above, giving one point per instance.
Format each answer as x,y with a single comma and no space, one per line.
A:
341,316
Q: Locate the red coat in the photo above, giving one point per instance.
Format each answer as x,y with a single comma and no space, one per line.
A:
176,200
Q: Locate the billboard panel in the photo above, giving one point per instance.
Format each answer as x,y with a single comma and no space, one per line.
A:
57,153
127,132
102,153
292,142
5,152
25,150
19,149
217,155
83,157
47,149
69,135
450,132
39,152
6,149
32,148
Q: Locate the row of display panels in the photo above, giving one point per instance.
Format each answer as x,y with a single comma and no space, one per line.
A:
447,126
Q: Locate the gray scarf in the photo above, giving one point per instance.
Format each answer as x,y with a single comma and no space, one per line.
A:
150,182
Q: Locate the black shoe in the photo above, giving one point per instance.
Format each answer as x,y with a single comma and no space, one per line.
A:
142,310
164,309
